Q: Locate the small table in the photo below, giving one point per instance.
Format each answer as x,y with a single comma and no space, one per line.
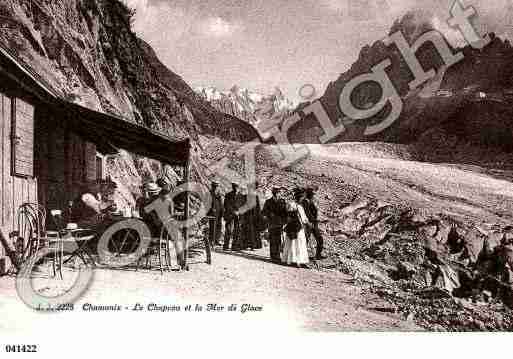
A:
81,237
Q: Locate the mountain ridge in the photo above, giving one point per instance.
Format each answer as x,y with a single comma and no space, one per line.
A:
250,106
479,86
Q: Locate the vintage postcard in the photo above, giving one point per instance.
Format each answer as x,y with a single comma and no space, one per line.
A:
225,169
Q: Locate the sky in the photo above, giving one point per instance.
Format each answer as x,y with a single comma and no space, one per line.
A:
263,44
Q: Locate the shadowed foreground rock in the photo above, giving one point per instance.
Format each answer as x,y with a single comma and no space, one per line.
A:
446,274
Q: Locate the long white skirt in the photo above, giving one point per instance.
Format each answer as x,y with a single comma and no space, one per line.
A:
295,250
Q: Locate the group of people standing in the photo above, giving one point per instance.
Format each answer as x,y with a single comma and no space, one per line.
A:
290,224
243,223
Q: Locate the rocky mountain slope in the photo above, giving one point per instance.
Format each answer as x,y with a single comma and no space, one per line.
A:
86,51
247,105
466,105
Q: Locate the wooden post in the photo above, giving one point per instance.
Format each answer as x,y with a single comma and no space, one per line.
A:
187,177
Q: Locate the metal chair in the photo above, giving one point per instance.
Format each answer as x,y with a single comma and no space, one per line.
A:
160,247
198,241
31,227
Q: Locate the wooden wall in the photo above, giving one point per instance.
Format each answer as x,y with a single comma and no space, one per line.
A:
14,190
64,161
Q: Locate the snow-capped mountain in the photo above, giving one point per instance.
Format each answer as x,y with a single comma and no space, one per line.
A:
247,105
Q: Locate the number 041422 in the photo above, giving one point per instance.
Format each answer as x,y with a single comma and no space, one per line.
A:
21,348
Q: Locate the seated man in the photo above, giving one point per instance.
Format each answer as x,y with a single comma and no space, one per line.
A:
151,193
88,209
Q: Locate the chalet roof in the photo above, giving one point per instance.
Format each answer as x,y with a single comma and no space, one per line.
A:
108,131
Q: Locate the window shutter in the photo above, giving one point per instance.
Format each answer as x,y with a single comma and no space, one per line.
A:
23,139
90,157
99,168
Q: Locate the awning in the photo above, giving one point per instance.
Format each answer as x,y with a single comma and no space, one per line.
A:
109,132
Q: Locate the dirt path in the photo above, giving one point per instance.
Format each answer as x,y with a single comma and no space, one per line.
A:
291,298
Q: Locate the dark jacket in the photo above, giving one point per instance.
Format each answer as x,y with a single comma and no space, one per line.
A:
217,209
276,212
311,210
232,202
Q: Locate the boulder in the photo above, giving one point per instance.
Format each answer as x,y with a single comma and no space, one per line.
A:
473,244
353,207
447,279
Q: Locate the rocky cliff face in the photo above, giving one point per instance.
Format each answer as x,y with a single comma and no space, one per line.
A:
86,50
469,102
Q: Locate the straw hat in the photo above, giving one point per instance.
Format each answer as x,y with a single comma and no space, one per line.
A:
152,187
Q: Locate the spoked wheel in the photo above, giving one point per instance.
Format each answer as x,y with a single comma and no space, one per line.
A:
123,243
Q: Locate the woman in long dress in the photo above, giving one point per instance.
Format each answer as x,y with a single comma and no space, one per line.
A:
295,249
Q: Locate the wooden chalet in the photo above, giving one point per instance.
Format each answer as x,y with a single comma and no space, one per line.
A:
50,146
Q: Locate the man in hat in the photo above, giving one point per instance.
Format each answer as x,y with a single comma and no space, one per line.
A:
233,202
165,186
275,213
312,212
216,214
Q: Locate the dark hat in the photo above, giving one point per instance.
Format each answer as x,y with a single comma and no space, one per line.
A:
310,190
235,184
215,183
298,191
277,189
162,182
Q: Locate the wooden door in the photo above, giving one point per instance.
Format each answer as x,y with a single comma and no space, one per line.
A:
17,184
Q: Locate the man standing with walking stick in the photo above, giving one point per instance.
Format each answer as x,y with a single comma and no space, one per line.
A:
215,214
275,213
233,202
312,212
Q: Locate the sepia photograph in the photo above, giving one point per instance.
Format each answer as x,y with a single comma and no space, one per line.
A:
229,169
